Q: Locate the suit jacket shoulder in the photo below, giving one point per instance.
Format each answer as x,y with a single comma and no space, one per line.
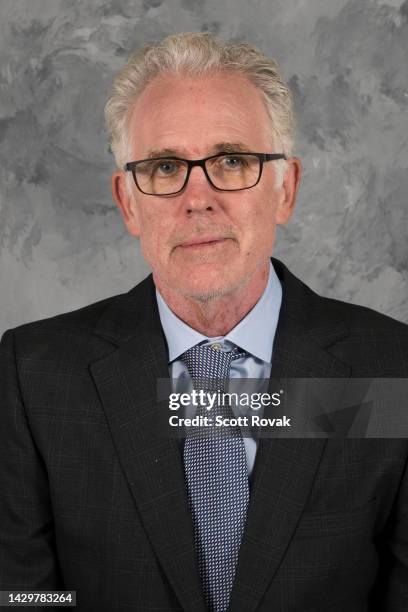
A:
371,343
112,319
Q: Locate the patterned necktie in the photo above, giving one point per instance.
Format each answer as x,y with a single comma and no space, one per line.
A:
217,481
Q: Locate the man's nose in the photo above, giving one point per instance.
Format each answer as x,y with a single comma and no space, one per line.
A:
199,195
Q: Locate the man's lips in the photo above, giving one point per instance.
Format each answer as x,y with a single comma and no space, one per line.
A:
201,242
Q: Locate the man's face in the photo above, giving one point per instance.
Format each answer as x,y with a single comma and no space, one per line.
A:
204,242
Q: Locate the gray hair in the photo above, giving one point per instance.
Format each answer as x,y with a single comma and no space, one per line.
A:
195,54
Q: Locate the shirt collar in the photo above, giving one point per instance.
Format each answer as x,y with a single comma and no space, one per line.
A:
254,333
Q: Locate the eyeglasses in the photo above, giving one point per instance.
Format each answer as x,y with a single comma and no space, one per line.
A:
165,176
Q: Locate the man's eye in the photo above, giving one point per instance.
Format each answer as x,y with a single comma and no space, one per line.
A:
232,163
166,168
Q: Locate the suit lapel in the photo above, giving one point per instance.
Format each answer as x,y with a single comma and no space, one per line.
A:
285,468
126,380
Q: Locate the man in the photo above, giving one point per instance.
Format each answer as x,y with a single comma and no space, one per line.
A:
93,499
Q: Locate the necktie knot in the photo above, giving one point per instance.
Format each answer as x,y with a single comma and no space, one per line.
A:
210,361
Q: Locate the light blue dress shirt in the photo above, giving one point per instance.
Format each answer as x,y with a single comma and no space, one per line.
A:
255,334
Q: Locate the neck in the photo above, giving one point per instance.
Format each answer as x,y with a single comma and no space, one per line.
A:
217,314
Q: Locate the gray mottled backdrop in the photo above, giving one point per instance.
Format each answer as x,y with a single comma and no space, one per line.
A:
62,243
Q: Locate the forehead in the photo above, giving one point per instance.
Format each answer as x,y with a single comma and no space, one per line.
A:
192,115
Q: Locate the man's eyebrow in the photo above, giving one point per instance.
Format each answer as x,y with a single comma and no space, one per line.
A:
231,147
228,147
163,153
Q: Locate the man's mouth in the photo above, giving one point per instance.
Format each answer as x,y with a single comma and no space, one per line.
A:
202,242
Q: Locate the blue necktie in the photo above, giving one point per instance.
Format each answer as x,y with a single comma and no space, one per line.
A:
217,481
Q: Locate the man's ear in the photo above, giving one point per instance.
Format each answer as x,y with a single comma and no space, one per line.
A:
289,190
125,202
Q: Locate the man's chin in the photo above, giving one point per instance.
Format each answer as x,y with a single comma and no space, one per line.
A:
206,291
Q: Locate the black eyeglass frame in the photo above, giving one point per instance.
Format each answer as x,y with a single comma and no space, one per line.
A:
263,157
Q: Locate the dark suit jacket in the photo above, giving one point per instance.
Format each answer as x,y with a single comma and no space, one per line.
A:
93,500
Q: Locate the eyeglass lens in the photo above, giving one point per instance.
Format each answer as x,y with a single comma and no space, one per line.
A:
228,172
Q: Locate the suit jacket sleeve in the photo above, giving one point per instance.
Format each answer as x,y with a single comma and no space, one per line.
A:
391,591
28,558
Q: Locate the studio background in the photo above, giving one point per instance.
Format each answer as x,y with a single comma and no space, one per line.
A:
62,241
